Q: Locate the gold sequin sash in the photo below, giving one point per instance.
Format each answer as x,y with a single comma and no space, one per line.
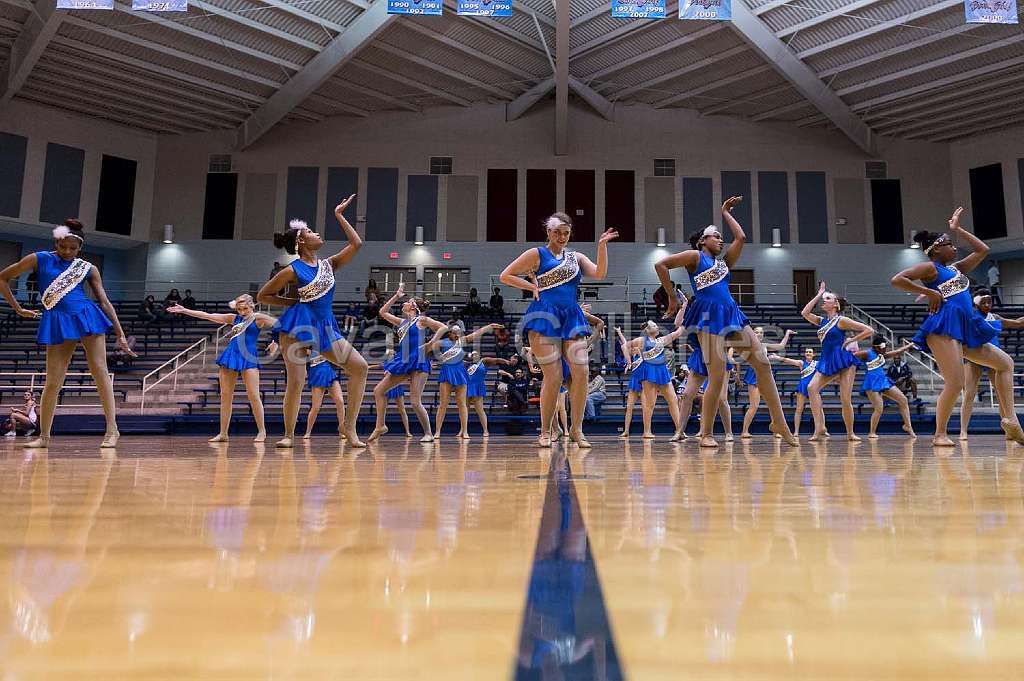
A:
65,283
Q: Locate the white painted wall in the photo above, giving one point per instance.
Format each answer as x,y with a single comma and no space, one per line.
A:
42,125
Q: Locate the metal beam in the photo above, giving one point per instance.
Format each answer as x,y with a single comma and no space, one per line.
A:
376,94
561,77
803,79
443,70
825,16
125,113
880,28
330,101
598,103
710,86
974,130
769,6
411,82
502,64
778,111
297,11
501,30
747,99
243,20
951,99
699,65
600,10
39,29
876,57
661,49
952,112
524,102
973,121
319,70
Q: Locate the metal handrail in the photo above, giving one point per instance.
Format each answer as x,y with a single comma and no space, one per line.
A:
890,335
178,364
33,385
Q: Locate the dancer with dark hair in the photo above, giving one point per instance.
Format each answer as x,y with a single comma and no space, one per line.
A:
554,322
972,372
835,363
877,386
653,373
808,368
453,376
411,364
716,318
750,379
239,358
952,331
69,318
309,322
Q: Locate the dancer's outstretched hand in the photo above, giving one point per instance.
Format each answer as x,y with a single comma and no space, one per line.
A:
122,344
340,208
175,309
29,314
608,235
954,222
731,203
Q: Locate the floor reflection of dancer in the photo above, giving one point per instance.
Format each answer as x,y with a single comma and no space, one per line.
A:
877,386
808,367
239,358
952,331
69,318
309,322
654,375
554,320
322,378
410,364
453,376
476,391
836,362
750,378
715,316
972,371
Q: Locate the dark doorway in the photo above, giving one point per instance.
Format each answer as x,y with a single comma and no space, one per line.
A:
805,286
742,286
579,204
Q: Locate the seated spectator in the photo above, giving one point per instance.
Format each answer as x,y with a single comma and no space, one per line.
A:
119,356
661,300
188,301
497,303
173,298
596,396
505,377
901,375
679,378
147,310
503,348
518,391
473,308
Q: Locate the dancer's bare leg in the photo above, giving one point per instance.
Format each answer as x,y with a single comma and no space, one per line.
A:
417,382
96,356
647,402
339,406
798,414
713,349
579,371
443,397
251,379
972,378
693,384
903,404
58,358
630,401
481,413
725,412
380,402
548,353
317,399
758,359
673,410
817,411
295,355
877,406
1002,364
461,403
227,379
846,378
403,414
754,401
948,355
343,354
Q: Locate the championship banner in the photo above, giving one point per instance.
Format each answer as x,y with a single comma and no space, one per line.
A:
991,11
431,7
715,10
85,4
638,9
160,5
485,8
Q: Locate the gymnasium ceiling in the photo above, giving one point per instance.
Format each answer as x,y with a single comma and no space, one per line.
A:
905,68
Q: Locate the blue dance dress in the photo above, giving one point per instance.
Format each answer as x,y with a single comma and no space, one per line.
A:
241,352
477,375
411,355
311,320
834,356
695,362
957,317
713,308
396,392
557,314
321,373
875,379
453,369
69,314
635,384
807,372
653,367
997,324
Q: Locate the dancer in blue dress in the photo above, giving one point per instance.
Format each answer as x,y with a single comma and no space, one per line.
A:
411,364
453,375
396,394
808,367
322,378
309,322
554,322
653,374
239,358
952,331
632,359
835,363
877,386
714,317
476,390
69,318
750,379
972,371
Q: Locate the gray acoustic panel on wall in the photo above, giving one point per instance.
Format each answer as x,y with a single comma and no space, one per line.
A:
659,208
381,204
698,204
461,209
341,184
773,204
1020,181
849,198
421,207
259,209
738,183
62,183
300,201
13,149
812,207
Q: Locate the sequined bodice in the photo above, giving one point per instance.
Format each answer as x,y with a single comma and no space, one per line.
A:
559,277
306,274
711,279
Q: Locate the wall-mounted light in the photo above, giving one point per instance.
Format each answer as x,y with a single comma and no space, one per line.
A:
776,237
168,234
661,237
419,235
914,244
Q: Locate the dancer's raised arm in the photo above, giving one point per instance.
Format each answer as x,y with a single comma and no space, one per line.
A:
199,314
689,260
781,345
355,242
600,270
490,328
786,360
808,311
385,309
739,237
980,248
